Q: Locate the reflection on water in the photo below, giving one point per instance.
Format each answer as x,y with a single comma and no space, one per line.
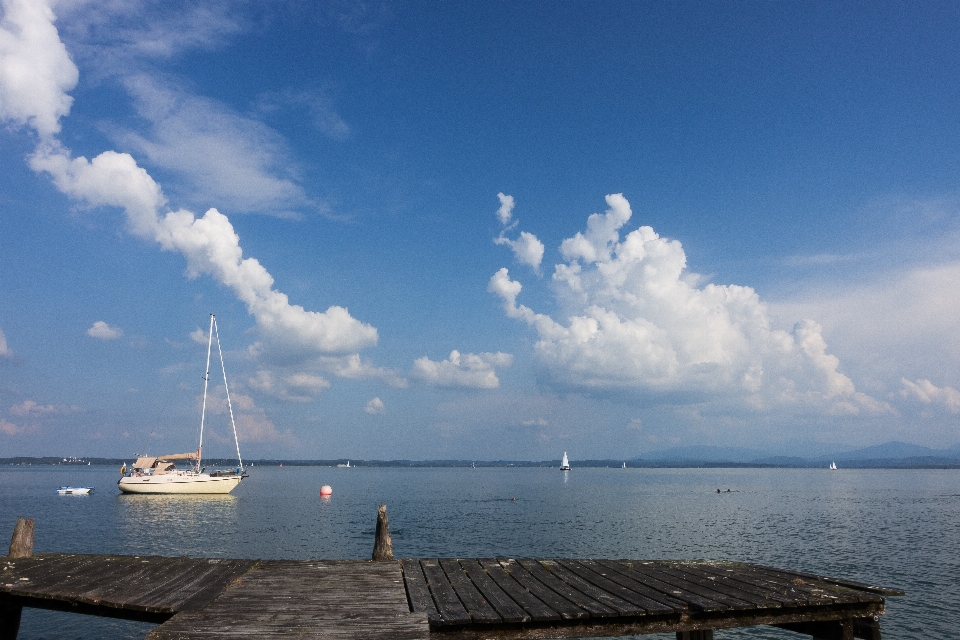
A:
176,524
888,527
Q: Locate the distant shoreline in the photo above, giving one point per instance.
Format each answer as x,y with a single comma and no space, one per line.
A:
925,462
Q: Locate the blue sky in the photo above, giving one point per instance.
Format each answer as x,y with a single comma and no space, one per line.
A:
479,230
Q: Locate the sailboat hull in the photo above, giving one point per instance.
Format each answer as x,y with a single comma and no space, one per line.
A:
178,483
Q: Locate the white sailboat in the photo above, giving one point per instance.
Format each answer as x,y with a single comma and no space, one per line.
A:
564,464
159,474
344,466
833,466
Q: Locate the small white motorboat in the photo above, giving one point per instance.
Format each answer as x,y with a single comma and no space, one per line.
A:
74,491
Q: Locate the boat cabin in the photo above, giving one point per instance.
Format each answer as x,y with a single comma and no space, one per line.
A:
159,465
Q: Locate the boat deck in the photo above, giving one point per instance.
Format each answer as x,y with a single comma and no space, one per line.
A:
452,598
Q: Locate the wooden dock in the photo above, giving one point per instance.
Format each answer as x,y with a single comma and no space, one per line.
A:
447,598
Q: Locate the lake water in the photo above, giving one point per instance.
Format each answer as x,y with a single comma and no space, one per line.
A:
897,528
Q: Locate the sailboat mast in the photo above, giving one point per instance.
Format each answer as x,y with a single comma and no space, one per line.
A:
206,381
226,388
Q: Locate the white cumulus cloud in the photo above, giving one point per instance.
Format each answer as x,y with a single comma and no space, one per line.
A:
637,322
35,70
103,331
209,243
527,248
505,212
375,407
928,393
473,370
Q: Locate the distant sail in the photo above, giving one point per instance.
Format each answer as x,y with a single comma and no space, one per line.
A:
565,464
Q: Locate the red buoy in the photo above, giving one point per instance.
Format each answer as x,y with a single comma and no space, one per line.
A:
326,490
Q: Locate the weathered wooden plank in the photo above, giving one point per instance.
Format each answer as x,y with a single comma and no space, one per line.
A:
452,611
193,580
311,599
571,593
473,601
166,584
781,590
687,585
568,610
228,574
131,581
722,584
218,598
635,571
621,606
859,586
508,610
46,584
596,575
42,572
830,589
622,579
418,593
709,588
536,608
35,566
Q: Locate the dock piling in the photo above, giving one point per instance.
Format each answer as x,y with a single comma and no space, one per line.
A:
21,544
382,545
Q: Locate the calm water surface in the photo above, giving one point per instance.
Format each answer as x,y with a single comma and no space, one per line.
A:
890,527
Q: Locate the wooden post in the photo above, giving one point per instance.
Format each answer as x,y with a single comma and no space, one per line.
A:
21,546
382,545
868,628
826,630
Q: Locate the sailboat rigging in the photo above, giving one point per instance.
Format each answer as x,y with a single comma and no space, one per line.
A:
159,474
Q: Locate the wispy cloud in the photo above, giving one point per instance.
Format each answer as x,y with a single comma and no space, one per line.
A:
928,393
10,429
316,102
903,322
296,387
253,425
355,367
120,34
32,409
218,155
